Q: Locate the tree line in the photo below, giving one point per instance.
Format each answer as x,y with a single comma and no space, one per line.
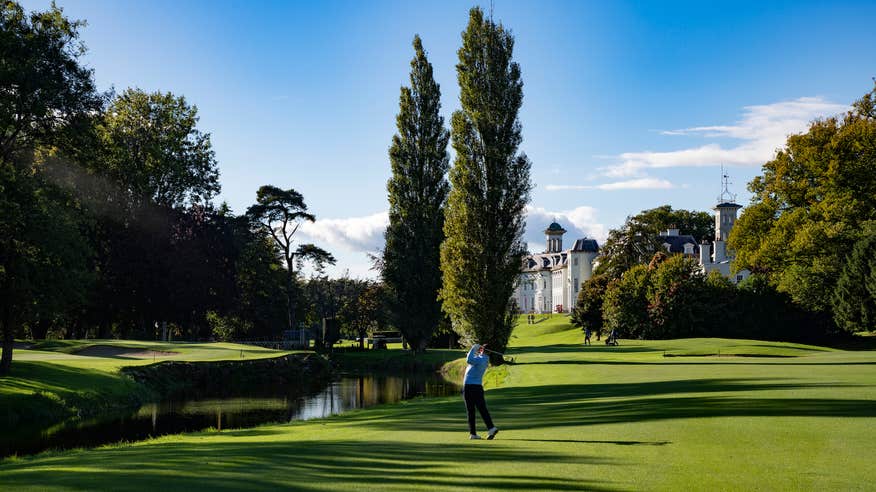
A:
808,237
107,222
108,226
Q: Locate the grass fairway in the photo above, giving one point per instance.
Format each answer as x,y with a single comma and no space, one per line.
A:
762,416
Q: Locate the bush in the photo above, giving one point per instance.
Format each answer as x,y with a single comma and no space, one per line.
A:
227,328
671,298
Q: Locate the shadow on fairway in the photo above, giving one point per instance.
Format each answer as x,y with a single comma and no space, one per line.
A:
535,407
302,465
577,349
619,443
689,361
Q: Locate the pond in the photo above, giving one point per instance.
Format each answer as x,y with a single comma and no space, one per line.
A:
176,416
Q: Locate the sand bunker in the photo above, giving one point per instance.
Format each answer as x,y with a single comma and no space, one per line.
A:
123,352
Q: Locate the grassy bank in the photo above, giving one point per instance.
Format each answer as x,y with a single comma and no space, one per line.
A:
572,418
396,360
56,380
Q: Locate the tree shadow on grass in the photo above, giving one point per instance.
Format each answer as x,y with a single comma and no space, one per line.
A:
619,443
40,375
577,349
40,394
560,406
689,361
301,465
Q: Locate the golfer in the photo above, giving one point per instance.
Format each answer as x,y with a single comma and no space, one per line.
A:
473,392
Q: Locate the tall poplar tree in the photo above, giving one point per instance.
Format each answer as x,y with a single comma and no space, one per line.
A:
484,220
417,194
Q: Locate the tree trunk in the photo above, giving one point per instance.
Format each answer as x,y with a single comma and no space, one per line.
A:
104,330
40,329
8,344
74,334
290,295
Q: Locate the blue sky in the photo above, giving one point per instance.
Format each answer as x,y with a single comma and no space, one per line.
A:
627,105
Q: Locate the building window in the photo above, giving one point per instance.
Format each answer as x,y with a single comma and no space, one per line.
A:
739,278
575,262
576,285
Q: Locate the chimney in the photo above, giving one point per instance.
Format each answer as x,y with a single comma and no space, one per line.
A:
672,231
720,251
705,253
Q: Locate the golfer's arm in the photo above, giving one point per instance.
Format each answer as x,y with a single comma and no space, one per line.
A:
471,355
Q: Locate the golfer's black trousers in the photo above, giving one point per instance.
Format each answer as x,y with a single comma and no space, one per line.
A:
473,394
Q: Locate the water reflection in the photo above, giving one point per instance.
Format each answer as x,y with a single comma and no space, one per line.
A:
173,417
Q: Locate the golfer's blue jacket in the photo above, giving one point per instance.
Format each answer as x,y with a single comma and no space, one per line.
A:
477,366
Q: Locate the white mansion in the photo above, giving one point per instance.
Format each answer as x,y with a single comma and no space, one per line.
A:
550,281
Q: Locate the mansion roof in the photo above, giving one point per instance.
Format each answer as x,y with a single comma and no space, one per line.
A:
552,261
676,243
588,245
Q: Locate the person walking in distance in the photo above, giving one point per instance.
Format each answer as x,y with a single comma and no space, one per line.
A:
473,391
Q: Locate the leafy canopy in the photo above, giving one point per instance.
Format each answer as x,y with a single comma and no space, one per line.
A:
152,147
636,241
812,203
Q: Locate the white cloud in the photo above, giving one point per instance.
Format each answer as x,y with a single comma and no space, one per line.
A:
631,184
762,130
358,234
579,222
345,237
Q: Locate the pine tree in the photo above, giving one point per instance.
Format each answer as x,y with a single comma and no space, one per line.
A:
854,300
484,220
279,213
418,192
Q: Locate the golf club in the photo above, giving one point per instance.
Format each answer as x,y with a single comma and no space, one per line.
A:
510,359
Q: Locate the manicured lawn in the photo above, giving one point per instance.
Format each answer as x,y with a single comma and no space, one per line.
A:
571,418
56,380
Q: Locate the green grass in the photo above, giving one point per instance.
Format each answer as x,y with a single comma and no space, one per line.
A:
54,382
572,418
395,360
